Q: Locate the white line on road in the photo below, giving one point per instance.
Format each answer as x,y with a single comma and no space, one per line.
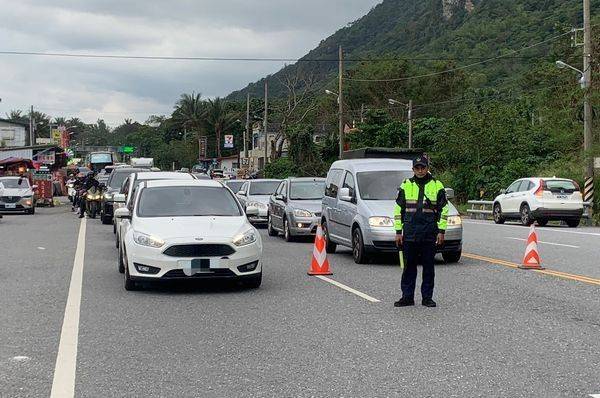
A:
545,243
490,224
63,385
595,395
348,289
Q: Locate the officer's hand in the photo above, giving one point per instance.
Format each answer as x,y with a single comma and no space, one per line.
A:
440,239
399,240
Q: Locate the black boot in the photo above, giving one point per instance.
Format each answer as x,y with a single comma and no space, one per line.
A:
404,302
429,303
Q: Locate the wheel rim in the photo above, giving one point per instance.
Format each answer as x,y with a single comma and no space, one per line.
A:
525,215
287,229
497,213
356,245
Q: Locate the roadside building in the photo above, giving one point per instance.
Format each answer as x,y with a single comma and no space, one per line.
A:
12,134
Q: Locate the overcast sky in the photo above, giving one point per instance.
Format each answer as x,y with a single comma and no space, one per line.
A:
118,89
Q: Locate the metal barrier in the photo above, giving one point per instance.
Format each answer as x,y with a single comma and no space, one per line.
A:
479,209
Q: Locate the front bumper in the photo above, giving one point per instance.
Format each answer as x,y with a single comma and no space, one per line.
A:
557,214
261,218
170,268
384,240
19,206
303,226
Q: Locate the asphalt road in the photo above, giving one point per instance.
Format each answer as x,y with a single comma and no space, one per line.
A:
497,332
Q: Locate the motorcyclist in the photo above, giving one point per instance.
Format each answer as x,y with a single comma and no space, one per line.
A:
89,182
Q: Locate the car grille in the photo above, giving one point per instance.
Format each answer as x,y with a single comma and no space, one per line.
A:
10,199
205,250
178,273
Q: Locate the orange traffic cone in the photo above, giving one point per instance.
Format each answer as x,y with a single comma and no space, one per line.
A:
532,256
319,264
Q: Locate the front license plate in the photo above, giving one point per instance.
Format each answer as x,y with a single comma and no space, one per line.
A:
197,266
10,206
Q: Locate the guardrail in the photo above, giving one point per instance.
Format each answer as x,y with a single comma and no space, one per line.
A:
483,209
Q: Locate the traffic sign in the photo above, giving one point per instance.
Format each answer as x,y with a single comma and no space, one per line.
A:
127,149
228,141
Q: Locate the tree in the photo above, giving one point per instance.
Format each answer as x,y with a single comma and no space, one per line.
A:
218,119
190,112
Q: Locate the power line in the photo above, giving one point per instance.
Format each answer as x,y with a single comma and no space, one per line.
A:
462,67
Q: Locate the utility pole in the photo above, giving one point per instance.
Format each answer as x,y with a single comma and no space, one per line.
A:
265,121
31,134
247,132
410,125
588,190
341,99
362,113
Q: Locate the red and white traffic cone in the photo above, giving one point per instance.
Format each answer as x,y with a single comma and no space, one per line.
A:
319,264
532,256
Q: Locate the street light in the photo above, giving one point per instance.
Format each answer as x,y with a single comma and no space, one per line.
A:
582,80
333,93
409,107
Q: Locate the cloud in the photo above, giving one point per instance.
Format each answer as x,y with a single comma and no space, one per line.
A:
116,89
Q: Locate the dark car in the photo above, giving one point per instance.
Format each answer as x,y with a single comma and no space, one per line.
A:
113,185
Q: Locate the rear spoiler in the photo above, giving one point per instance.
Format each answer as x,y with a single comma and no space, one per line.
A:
383,153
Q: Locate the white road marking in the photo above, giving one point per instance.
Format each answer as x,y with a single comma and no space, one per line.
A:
20,358
41,248
63,384
348,289
490,224
544,243
595,395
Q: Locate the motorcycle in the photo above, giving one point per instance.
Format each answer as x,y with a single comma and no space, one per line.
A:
93,196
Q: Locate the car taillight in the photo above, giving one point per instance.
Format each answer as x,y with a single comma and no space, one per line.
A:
540,191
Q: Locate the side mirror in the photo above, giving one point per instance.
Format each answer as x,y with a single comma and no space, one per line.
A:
251,211
449,193
345,195
119,198
241,193
503,191
280,197
123,213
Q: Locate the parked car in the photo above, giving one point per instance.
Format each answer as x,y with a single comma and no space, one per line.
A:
16,195
358,208
113,185
295,207
188,230
130,185
540,199
256,193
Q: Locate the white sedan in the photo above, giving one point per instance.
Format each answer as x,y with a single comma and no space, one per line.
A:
188,230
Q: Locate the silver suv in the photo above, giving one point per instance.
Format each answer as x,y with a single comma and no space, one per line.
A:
256,193
358,208
295,208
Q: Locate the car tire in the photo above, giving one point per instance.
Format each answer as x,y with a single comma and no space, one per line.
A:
114,228
329,245
573,223
287,233
270,230
31,211
452,257
542,223
117,241
525,213
106,220
253,282
121,266
130,285
497,214
358,247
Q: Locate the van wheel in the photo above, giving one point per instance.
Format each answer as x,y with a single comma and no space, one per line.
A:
358,247
498,219
452,257
329,245
526,219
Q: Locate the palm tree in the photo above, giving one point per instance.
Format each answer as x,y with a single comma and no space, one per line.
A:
189,111
219,119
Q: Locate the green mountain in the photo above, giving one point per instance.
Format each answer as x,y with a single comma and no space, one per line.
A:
464,30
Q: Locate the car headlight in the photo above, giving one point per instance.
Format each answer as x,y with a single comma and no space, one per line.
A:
302,213
381,222
454,220
244,239
258,205
108,196
27,197
147,240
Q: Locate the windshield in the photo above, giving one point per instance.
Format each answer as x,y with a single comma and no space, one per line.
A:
117,177
101,158
187,202
14,182
235,185
381,185
263,187
307,190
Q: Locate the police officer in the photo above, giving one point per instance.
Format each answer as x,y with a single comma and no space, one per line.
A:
421,218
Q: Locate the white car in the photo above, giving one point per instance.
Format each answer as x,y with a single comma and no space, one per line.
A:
540,200
257,193
16,195
129,186
188,230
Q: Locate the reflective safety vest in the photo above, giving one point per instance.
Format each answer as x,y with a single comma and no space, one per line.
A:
421,210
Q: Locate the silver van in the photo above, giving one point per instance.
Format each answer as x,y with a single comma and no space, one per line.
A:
358,208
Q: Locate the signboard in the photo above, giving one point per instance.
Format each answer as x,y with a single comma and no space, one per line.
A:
45,158
65,139
228,141
43,180
202,145
245,163
55,134
44,141
127,149
597,163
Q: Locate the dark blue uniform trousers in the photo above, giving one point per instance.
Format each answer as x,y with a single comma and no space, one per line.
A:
418,253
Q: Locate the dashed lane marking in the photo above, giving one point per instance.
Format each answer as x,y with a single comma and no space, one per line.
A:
349,289
63,384
558,274
545,243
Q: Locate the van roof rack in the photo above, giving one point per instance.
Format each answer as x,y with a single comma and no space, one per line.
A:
383,153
